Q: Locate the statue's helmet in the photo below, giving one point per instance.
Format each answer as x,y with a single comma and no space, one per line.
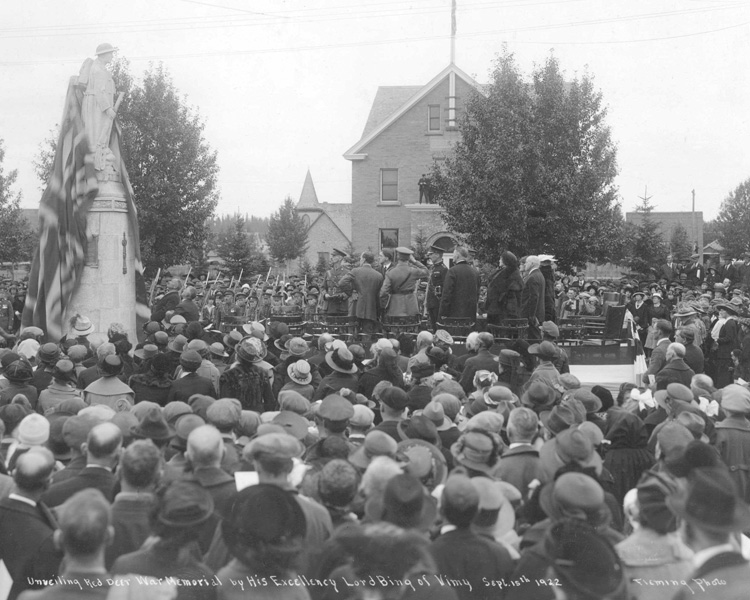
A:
104,49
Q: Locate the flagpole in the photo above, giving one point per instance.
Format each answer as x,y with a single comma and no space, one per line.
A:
452,75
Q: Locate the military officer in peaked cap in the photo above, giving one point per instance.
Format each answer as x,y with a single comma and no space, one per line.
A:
397,295
435,284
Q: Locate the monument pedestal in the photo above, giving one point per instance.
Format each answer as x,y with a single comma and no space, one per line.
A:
106,291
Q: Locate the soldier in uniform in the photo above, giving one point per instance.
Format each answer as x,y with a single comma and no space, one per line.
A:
17,300
311,304
337,301
399,285
264,310
435,284
251,308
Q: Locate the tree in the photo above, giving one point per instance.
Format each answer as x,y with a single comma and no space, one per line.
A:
534,171
45,158
17,241
287,233
421,249
680,245
733,221
172,169
306,270
240,252
321,266
648,247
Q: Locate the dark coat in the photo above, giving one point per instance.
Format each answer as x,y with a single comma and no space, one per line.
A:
658,358
26,545
366,281
130,519
728,339
189,310
532,297
483,361
463,554
730,567
435,285
460,292
169,301
184,387
733,444
90,477
148,387
504,294
519,467
675,371
549,292
694,357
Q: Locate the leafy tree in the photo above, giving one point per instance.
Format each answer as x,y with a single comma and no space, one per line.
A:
45,158
733,221
240,252
679,244
17,241
534,171
172,169
648,249
287,233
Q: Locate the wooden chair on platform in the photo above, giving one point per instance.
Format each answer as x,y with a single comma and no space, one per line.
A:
395,326
459,328
510,329
342,327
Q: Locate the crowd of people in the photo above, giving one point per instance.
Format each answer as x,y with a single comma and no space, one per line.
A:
234,455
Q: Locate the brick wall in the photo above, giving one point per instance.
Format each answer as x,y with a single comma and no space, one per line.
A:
406,146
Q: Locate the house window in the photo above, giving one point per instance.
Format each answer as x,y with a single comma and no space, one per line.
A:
388,238
389,185
324,257
433,117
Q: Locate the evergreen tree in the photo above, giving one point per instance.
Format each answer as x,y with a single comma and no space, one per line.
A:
240,252
648,249
17,241
321,266
680,245
287,233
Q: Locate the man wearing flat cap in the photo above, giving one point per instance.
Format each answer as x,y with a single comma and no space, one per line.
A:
397,297
335,299
435,283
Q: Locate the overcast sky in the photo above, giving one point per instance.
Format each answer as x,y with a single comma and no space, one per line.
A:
284,86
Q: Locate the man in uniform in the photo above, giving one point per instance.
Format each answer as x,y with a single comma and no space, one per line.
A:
264,310
337,301
435,284
399,285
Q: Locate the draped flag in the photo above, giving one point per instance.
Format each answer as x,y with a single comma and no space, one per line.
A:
58,261
640,366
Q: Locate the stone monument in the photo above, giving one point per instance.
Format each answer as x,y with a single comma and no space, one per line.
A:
106,290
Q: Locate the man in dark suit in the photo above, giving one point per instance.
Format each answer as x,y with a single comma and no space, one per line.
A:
140,467
168,301
532,297
435,284
366,282
191,383
728,341
670,271
84,533
659,354
27,525
483,361
102,448
461,288
712,512
187,307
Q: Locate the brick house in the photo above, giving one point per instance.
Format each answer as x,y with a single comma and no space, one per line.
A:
329,225
407,129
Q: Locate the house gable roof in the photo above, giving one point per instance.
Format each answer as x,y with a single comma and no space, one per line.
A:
339,214
387,99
